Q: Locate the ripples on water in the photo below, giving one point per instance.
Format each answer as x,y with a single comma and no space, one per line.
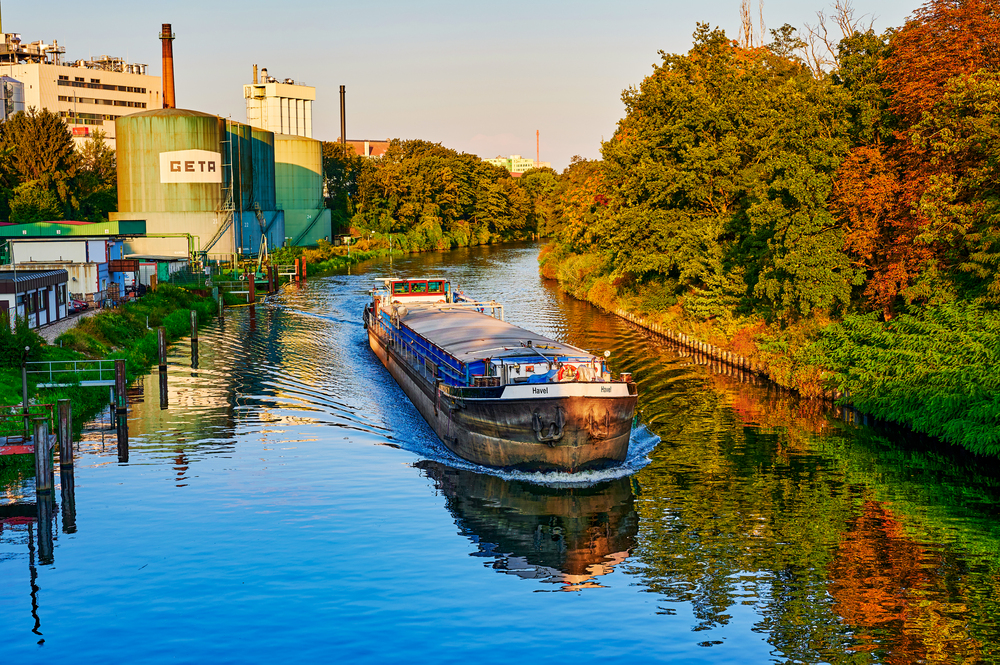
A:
290,500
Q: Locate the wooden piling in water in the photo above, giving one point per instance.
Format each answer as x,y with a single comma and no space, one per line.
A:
65,435
121,387
252,289
296,270
303,267
161,338
221,303
44,479
194,339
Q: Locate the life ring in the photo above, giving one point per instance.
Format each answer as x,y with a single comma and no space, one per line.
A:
566,373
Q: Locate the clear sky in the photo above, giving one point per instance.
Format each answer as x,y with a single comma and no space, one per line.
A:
478,77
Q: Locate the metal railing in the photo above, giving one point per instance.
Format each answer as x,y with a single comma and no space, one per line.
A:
62,373
14,423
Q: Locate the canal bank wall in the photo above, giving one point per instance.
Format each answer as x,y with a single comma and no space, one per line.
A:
717,354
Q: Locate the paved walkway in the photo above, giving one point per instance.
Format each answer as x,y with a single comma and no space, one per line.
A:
53,330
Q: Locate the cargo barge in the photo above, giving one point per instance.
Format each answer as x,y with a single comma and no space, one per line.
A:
494,393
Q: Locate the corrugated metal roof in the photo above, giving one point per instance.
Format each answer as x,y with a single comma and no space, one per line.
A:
60,229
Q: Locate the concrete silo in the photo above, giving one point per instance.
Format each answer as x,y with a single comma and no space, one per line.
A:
299,189
192,173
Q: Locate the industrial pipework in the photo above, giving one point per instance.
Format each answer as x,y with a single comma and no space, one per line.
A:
167,39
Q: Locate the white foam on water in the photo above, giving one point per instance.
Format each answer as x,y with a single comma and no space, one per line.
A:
641,444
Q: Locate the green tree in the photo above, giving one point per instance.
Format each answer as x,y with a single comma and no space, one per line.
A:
95,191
718,177
34,202
43,145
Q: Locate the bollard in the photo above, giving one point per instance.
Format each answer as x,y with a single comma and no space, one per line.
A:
65,436
194,339
43,456
252,289
296,270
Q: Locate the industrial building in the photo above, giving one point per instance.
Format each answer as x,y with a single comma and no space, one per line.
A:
298,171
282,107
37,296
87,94
11,97
201,183
91,253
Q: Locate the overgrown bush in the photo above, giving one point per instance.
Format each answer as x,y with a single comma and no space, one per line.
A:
13,342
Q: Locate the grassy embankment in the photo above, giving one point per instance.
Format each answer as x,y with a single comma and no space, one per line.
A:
112,334
932,369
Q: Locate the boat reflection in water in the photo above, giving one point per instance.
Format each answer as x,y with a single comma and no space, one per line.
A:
567,536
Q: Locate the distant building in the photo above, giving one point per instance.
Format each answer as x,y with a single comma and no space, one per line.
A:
11,97
368,148
87,94
282,107
517,164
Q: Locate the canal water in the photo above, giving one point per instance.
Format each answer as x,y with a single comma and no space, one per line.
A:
291,504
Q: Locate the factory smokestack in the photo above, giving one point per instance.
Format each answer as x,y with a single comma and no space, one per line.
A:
167,39
343,121
538,149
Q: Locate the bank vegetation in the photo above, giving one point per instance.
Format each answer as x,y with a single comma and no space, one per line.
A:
840,226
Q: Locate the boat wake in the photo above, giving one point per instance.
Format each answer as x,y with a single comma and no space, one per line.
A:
641,444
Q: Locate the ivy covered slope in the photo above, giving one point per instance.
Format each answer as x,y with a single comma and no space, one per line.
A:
841,227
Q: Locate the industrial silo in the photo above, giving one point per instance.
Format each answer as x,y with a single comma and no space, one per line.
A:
298,170
192,173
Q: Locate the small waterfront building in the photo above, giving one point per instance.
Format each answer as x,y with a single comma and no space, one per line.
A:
38,296
92,254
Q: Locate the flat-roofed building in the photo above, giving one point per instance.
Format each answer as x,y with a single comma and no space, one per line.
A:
282,107
38,296
517,163
87,95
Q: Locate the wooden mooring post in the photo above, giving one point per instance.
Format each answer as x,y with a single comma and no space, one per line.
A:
65,435
303,267
194,339
44,479
121,388
296,270
252,289
161,339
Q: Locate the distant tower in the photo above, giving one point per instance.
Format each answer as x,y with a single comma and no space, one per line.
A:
282,107
538,150
167,38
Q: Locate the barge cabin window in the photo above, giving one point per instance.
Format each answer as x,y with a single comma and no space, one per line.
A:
418,287
400,288
437,287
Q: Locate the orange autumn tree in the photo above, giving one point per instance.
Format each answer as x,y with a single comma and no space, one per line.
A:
911,220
